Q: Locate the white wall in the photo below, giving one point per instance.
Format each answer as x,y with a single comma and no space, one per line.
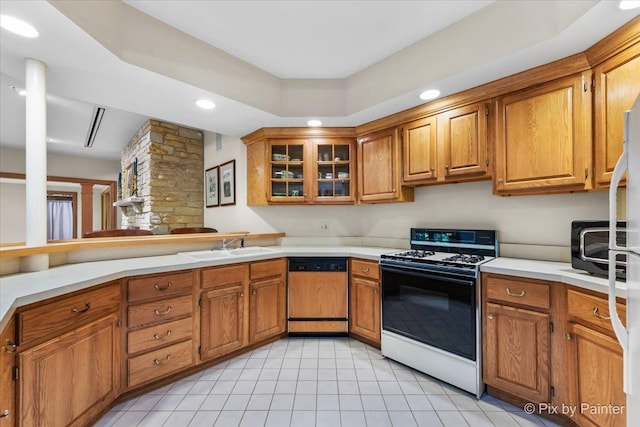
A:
12,192
525,220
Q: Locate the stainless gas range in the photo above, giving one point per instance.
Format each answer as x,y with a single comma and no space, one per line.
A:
430,304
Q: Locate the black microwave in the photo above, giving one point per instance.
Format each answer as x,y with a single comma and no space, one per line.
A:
590,247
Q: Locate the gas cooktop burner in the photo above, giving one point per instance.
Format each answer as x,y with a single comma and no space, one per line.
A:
417,254
469,259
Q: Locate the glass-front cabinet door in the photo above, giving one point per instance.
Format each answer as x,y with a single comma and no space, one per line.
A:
288,162
334,171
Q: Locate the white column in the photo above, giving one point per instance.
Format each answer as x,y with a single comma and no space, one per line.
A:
36,163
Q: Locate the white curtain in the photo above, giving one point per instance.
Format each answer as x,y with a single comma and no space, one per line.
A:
59,219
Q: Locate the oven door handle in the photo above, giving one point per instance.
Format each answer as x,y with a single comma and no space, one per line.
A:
419,273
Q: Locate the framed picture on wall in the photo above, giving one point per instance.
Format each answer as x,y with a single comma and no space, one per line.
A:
211,187
228,183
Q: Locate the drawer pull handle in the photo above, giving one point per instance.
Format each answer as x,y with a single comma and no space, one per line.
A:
600,316
490,316
158,288
162,362
4,414
86,308
162,313
364,269
521,294
156,336
9,347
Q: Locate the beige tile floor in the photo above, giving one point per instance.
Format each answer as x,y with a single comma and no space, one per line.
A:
306,382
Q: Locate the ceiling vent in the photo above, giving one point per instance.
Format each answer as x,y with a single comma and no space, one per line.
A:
98,112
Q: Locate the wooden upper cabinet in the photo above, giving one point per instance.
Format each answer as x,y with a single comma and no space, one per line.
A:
617,85
379,176
419,142
543,138
301,166
463,132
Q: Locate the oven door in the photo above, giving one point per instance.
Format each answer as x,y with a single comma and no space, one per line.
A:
437,309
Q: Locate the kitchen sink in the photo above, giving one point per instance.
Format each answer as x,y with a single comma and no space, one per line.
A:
215,254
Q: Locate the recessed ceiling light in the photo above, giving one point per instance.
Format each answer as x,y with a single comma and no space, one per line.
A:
314,123
629,4
430,94
205,104
17,26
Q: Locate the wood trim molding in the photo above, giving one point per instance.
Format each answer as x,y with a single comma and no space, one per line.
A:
57,246
299,132
60,179
614,43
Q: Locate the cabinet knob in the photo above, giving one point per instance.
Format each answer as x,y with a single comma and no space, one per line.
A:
375,291
86,308
254,292
241,294
500,180
4,414
9,347
394,190
490,316
162,288
567,336
445,166
433,170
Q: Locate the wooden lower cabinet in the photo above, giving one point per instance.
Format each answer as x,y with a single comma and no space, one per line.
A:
7,383
364,300
70,379
267,308
596,361
517,352
222,322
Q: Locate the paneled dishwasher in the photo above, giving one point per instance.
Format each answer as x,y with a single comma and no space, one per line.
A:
318,296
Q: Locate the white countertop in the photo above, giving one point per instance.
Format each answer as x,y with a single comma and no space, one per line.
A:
553,271
26,288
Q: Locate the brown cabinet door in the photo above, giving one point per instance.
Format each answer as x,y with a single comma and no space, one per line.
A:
463,132
289,166
419,147
333,174
595,368
617,85
543,137
516,354
7,383
379,175
69,380
222,321
266,308
364,308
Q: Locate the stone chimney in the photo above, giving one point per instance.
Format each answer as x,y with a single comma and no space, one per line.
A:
170,177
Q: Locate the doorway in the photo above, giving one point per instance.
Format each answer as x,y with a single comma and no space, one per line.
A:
61,215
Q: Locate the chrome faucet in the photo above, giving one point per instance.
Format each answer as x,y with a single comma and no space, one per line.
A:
226,243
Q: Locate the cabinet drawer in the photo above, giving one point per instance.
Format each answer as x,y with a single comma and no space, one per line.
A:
518,291
223,276
592,309
159,335
159,285
160,311
363,268
262,269
45,319
157,364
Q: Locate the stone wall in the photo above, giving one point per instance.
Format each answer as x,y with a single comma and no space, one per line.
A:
170,177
